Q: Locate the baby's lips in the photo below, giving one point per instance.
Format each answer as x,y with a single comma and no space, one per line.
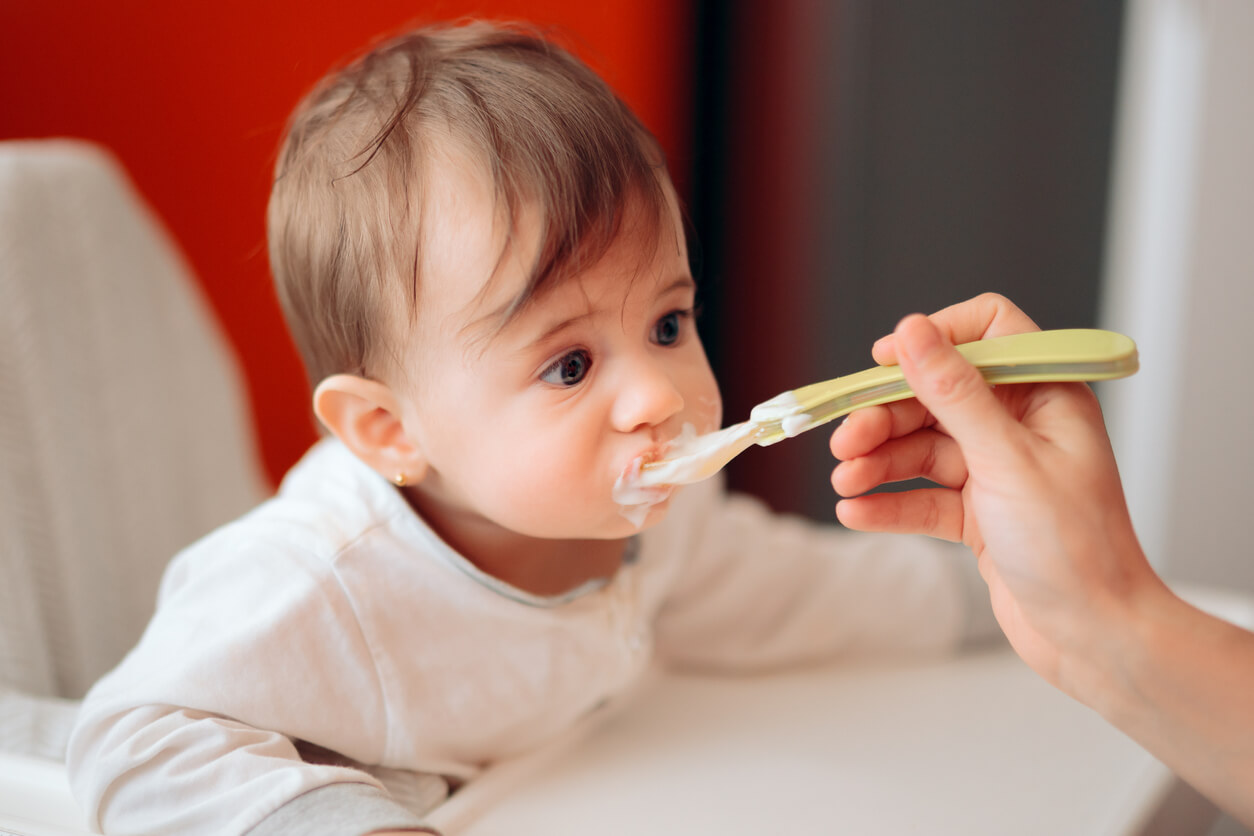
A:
658,452
627,486
637,463
635,467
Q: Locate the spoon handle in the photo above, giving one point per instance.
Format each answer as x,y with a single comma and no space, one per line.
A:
1074,354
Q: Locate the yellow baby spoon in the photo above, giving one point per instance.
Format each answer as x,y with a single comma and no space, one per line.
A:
1063,355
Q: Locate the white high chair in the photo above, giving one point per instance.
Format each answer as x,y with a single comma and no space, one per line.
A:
124,437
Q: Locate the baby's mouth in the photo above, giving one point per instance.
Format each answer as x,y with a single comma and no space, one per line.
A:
630,476
653,454
662,449
627,488
634,500
631,473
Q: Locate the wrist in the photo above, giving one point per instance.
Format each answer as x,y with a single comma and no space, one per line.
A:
1118,645
1180,687
1146,659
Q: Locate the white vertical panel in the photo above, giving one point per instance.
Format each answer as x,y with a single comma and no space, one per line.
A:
1151,227
1181,280
1210,537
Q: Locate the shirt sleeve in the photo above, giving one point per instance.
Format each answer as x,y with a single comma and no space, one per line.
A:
338,809
251,648
760,590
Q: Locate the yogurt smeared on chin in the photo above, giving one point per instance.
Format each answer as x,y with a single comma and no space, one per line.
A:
635,500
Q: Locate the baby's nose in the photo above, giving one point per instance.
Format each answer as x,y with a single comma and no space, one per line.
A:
648,396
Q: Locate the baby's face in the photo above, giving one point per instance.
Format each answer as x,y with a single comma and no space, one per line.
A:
526,429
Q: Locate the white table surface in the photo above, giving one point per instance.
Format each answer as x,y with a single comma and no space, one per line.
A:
976,745
972,745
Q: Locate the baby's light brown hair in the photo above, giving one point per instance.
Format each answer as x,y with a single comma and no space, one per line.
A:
343,220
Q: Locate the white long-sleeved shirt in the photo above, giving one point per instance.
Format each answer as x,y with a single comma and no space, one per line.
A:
332,623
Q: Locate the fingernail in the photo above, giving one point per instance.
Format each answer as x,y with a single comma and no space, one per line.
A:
883,349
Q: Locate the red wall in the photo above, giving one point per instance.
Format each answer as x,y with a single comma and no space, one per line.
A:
192,98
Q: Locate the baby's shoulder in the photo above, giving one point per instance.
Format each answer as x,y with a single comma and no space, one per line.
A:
293,537
327,503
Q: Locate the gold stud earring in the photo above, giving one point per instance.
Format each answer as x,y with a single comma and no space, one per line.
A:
399,479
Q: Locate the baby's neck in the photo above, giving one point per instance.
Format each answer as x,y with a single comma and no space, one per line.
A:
552,567
535,565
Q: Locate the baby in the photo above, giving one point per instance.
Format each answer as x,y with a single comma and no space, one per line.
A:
481,259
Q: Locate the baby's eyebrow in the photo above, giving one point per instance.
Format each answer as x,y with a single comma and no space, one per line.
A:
482,328
681,282
558,327
491,325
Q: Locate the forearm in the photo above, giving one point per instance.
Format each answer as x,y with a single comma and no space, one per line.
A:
184,771
1181,683
765,591
342,809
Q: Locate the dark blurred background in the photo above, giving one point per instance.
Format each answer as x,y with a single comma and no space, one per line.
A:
855,161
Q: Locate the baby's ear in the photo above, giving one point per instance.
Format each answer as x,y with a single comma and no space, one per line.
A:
365,415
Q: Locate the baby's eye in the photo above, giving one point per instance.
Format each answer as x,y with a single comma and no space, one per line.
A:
669,328
569,369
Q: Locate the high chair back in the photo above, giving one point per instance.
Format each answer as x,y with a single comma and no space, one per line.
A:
124,434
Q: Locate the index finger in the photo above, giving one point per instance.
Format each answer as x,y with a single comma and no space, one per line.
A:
984,316
957,395
867,428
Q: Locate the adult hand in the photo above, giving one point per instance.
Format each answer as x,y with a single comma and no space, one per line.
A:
1026,479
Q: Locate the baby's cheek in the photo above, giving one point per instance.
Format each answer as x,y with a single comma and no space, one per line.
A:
561,470
709,413
541,499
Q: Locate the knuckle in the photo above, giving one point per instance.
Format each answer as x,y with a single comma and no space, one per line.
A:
927,467
957,383
1002,308
931,513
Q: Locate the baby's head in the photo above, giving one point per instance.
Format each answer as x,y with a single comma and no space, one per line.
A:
480,258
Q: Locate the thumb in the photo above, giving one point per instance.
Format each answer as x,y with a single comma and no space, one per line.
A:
953,391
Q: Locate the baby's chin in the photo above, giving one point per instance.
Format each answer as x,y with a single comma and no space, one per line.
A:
637,518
